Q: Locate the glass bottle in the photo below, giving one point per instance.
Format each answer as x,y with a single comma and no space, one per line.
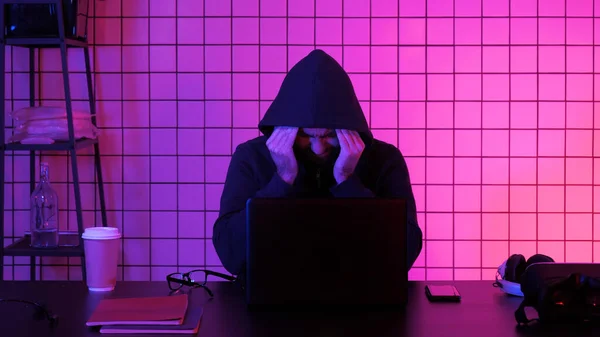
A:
44,212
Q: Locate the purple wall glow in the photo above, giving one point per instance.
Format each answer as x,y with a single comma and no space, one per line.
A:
491,101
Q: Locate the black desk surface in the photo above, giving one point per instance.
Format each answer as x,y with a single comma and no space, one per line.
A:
484,311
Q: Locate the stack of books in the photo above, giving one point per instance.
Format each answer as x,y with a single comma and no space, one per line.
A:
147,315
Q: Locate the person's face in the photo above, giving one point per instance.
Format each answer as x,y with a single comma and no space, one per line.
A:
317,144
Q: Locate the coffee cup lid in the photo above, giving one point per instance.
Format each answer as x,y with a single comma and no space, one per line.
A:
101,233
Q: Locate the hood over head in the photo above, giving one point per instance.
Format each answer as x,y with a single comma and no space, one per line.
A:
317,93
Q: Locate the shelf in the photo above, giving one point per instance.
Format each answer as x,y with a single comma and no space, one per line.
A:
57,146
69,245
42,42
21,248
30,2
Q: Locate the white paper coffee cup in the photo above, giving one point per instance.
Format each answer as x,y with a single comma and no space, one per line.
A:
102,248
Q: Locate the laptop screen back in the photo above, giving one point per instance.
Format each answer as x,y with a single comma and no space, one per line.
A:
345,251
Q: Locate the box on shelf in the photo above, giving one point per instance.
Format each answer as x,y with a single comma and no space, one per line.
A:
40,20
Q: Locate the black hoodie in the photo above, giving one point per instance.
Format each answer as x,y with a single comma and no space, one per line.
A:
316,93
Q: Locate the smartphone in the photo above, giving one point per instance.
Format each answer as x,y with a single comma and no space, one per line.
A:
442,293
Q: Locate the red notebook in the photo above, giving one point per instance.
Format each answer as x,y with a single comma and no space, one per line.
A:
162,310
191,325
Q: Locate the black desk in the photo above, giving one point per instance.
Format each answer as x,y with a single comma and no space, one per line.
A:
484,311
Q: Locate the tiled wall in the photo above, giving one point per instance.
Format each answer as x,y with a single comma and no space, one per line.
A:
492,102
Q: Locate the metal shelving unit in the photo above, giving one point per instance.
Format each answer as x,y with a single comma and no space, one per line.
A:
21,246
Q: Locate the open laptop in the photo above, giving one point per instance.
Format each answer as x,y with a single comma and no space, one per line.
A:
326,253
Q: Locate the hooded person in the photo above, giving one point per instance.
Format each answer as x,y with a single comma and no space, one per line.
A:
316,143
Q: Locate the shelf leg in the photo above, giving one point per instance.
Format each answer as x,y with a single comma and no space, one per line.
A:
2,164
78,206
69,108
2,138
32,268
32,166
74,166
92,102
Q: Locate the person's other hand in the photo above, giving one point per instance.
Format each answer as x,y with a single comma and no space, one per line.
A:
351,148
281,146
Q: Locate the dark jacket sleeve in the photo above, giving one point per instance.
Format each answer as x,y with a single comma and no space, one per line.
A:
351,187
229,230
393,182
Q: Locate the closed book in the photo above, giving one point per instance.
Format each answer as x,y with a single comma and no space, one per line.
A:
161,310
191,325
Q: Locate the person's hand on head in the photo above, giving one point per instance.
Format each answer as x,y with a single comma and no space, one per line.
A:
351,148
281,146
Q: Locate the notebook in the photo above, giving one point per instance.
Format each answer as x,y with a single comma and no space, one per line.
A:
161,310
191,324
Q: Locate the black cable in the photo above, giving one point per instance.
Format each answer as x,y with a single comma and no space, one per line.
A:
41,312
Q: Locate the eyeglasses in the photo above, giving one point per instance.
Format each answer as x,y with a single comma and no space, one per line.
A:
178,280
40,313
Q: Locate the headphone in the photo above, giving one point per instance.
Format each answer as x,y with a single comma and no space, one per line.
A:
508,275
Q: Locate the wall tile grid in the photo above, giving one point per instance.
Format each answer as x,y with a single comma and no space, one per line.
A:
492,102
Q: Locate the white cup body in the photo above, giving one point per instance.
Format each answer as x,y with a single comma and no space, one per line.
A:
102,247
